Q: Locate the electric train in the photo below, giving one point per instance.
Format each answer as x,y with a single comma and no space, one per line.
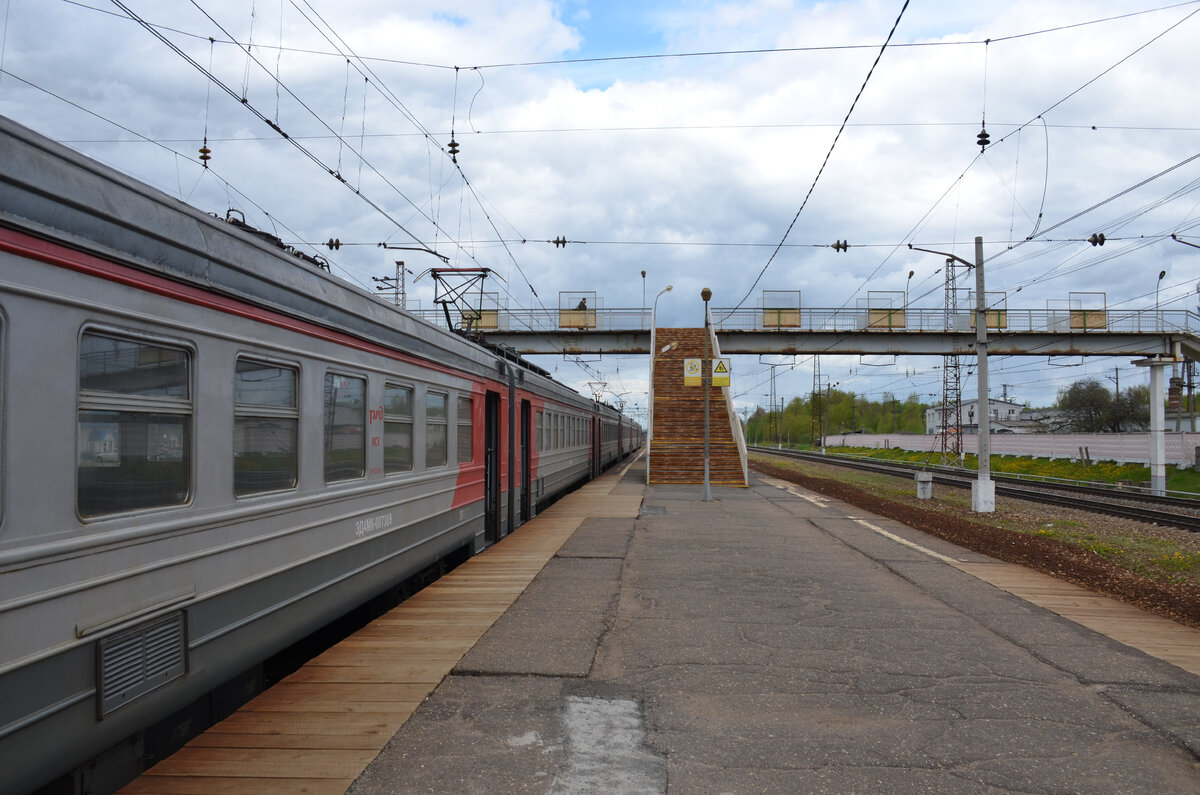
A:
210,447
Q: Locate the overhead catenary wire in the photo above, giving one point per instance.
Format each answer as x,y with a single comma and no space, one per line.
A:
214,80
684,128
229,186
259,115
334,172
681,55
1041,117
382,87
828,154
344,50
308,153
500,220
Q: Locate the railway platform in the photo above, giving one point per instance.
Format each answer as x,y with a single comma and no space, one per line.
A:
772,640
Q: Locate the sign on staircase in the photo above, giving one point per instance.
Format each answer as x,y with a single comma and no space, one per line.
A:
720,372
691,372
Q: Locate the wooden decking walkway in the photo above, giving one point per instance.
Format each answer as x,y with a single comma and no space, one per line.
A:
317,730
1158,637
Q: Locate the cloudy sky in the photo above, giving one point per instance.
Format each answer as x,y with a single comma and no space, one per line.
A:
701,142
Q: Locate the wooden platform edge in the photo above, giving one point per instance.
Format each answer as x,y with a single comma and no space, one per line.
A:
273,743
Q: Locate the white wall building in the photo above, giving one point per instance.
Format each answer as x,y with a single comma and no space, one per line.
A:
1006,417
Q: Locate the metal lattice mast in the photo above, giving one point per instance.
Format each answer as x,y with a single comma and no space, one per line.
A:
814,414
394,284
951,380
776,423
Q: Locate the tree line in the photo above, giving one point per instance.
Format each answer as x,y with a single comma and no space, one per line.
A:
1086,406
840,412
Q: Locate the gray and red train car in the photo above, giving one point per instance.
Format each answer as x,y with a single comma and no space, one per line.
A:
210,447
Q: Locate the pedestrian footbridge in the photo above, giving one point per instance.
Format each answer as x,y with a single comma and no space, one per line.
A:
1155,338
1143,333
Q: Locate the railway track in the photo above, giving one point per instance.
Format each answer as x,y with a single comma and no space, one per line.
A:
1181,512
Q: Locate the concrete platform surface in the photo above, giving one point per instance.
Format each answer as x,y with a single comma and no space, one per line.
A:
777,641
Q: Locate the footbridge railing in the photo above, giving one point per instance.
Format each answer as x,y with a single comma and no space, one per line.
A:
858,319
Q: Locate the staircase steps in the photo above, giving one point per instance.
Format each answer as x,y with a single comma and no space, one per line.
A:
677,449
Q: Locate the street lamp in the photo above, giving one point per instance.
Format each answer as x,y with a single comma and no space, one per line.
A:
983,490
643,296
650,410
1157,284
654,309
906,283
650,389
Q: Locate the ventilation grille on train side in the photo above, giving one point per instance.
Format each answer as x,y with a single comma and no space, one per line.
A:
139,660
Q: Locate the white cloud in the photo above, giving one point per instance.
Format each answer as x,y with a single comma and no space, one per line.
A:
747,136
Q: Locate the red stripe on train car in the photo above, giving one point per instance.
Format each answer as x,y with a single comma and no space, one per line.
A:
21,244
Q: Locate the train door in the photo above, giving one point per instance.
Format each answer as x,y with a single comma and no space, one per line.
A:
596,447
491,468
526,467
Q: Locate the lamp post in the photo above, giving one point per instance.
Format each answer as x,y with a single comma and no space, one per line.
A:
906,283
706,383
825,414
654,309
650,409
983,490
650,389
1157,320
643,296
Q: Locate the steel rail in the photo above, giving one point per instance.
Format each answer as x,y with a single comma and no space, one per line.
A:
1011,487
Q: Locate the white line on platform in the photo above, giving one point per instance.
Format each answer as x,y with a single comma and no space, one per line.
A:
905,541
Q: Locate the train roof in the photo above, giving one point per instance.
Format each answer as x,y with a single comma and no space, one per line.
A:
54,192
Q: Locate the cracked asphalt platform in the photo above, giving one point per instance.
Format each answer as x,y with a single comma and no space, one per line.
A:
767,642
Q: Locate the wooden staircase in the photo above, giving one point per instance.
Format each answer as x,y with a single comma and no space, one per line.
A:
677,449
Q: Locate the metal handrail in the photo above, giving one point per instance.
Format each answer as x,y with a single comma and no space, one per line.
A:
1009,321
734,425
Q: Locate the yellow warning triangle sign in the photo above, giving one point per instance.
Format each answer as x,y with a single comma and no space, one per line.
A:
720,372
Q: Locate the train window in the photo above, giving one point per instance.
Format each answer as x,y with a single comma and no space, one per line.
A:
466,452
265,428
397,429
435,429
135,425
541,443
345,427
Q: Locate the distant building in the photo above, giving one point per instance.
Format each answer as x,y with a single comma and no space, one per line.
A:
1006,417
